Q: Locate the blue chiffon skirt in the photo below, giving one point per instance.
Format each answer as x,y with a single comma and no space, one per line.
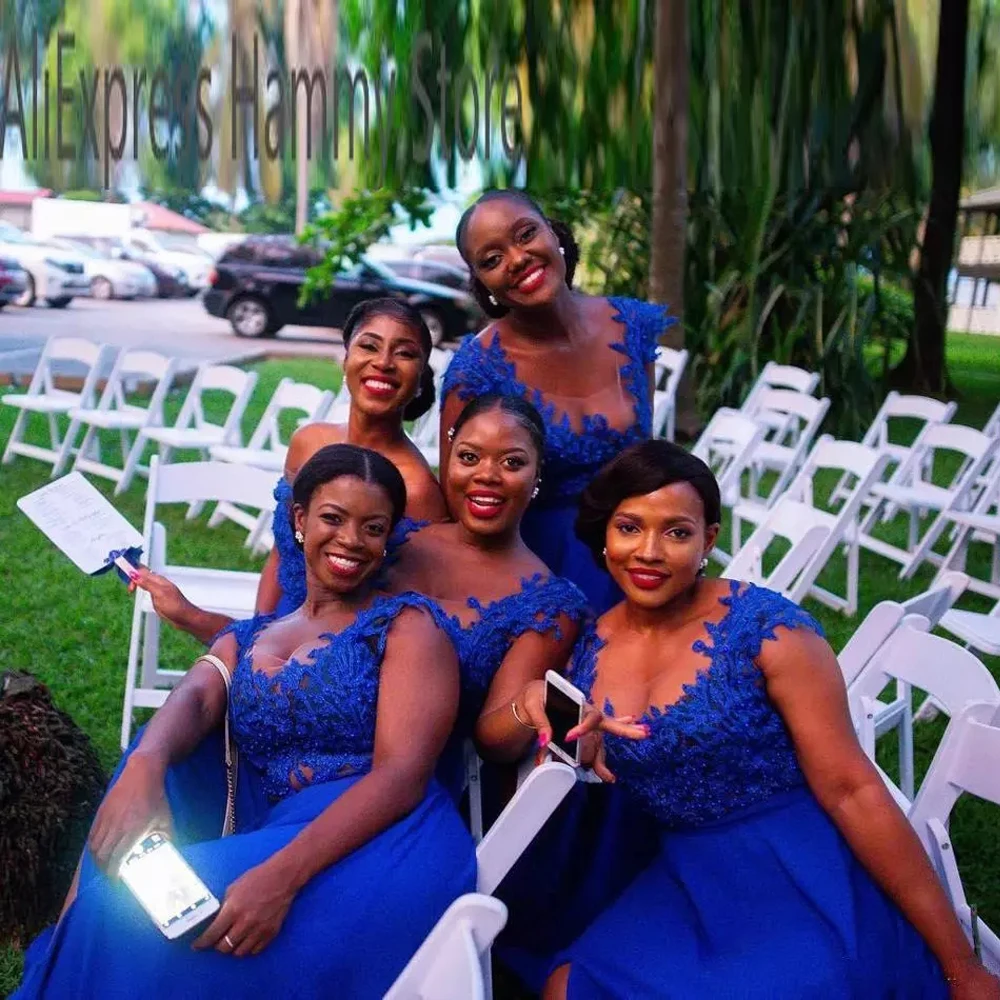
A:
349,932
769,903
547,529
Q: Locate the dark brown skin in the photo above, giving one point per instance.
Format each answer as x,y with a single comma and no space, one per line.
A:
648,659
382,348
417,704
558,340
485,558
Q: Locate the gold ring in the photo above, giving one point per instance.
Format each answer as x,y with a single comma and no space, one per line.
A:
228,940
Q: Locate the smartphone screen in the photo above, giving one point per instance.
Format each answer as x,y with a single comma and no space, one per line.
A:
163,882
564,714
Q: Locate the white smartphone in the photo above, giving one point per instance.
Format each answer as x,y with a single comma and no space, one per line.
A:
564,708
166,886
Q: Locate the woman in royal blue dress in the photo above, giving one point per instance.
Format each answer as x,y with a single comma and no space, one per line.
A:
784,867
339,712
388,374
585,362
509,617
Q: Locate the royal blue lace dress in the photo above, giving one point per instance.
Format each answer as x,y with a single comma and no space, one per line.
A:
572,457
753,893
354,926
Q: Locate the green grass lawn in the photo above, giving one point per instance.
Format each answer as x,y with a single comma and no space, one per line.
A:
73,633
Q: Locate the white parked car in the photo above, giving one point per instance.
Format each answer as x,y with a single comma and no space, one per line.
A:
173,250
110,278
53,274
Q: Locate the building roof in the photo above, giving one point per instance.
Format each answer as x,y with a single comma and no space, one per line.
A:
982,201
23,197
158,217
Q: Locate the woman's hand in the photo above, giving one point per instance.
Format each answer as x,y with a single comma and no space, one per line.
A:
530,706
254,908
973,982
168,602
135,806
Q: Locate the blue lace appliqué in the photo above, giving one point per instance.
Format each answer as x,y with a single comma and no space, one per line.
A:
572,457
486,640
722,746
314,719
291,561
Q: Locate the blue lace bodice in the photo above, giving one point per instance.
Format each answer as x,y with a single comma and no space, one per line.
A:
291,561
485,641
572,457
722,747
314,719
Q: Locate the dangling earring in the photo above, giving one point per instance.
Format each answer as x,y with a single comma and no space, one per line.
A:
299,537
704,565
604,552
562,250
534,493
493,301
385,552
451,433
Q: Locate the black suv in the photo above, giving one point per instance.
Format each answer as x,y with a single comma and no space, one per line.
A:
256,285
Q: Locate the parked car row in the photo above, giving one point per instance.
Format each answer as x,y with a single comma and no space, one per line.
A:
58,269
256,286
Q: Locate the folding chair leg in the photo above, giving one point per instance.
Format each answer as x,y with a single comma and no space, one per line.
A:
131,463
62,456
130,672
924,549
16,436
906,745
853,572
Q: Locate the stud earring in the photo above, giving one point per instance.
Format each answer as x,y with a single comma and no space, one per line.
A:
493,301
299,537
604,552
704,564
562,250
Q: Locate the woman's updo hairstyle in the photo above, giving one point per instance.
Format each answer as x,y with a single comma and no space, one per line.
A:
571,251
403,313
516,406
642,468
337,460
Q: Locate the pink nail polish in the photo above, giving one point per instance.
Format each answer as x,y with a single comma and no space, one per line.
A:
543,740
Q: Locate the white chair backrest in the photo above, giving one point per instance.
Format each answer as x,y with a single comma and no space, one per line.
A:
738,435
138,366
452,962
946,671
778,376
992,427
967,761
225,378
669,366
897,406
75,350
934,603
288,396
194,482
806,408
789,519
868,638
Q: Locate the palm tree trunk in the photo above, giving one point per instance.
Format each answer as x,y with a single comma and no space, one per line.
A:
670,185
924,368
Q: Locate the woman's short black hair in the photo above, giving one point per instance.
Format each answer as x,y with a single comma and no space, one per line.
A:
518,407
403,313
640,469
571,251
336,460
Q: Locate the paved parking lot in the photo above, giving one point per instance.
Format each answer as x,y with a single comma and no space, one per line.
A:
177,327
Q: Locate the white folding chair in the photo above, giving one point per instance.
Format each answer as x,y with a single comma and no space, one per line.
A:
668,369
968,760
992,427
913,491
43,397
798,418
860,465
868,638
911,655
228,592
899,407
340,408
453,963
726,445
192,429
426,434
981,524
114,413
266,449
